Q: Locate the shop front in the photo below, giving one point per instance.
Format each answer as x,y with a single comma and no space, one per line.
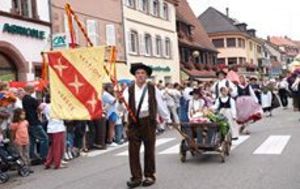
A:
21,44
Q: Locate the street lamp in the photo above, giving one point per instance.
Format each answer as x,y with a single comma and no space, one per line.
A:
196,54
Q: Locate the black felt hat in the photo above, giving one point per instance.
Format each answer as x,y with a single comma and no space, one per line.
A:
136,66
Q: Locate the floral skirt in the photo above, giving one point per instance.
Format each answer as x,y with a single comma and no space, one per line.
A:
248,110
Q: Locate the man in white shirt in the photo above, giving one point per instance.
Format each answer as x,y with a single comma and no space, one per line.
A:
283,88
223,82
145,101
186,92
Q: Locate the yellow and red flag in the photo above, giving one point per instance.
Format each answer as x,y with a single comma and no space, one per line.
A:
76,83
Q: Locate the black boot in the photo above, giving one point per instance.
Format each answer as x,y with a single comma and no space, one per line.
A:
134,183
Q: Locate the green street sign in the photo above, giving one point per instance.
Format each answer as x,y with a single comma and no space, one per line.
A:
23,31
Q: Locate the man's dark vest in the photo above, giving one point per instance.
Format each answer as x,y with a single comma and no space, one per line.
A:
151,100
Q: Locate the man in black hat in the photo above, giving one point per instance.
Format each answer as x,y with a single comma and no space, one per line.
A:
145,102
256,88
223,82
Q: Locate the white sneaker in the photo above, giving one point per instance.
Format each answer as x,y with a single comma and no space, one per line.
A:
70,155
113,144
64,162
66,156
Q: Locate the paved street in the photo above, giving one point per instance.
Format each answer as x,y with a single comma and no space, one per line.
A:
268,159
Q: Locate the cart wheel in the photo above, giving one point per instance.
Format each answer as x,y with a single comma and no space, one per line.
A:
182,158
182,152
24,171
223,152
3,178
222,158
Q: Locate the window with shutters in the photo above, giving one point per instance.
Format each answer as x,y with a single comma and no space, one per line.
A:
131,3
168,47
134,42
166,11
241,43
92,31
158,46
155,8
110,34
26,8
148,45
251,46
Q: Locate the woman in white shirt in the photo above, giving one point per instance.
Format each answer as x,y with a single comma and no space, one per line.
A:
56,131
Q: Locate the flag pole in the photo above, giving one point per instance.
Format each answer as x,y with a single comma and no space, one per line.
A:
70,25
112,60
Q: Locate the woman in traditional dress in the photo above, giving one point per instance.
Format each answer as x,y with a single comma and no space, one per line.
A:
248,108
226,106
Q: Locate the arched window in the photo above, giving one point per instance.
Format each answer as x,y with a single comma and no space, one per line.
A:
145,5
8,70
134,42
148,44
168,47
166,11
156,8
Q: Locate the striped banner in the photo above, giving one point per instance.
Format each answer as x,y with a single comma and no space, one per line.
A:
76,83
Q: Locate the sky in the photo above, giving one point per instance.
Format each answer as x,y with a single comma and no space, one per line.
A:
268,17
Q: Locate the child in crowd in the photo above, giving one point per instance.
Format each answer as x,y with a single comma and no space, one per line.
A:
20,136
226,106
266,101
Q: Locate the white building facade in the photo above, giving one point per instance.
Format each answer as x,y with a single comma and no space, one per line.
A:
24,33
151,37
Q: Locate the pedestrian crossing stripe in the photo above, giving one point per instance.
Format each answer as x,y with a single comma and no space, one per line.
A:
172,150
273,145
238,142
159,142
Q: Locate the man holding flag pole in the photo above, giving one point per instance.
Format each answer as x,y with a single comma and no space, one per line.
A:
145,101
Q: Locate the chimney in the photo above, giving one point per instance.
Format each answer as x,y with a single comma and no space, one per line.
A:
227,12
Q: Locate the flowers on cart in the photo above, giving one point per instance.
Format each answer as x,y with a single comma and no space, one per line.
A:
220,120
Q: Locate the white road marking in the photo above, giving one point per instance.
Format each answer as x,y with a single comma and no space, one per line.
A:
171,150
242,139
159,142
109,149
274,144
